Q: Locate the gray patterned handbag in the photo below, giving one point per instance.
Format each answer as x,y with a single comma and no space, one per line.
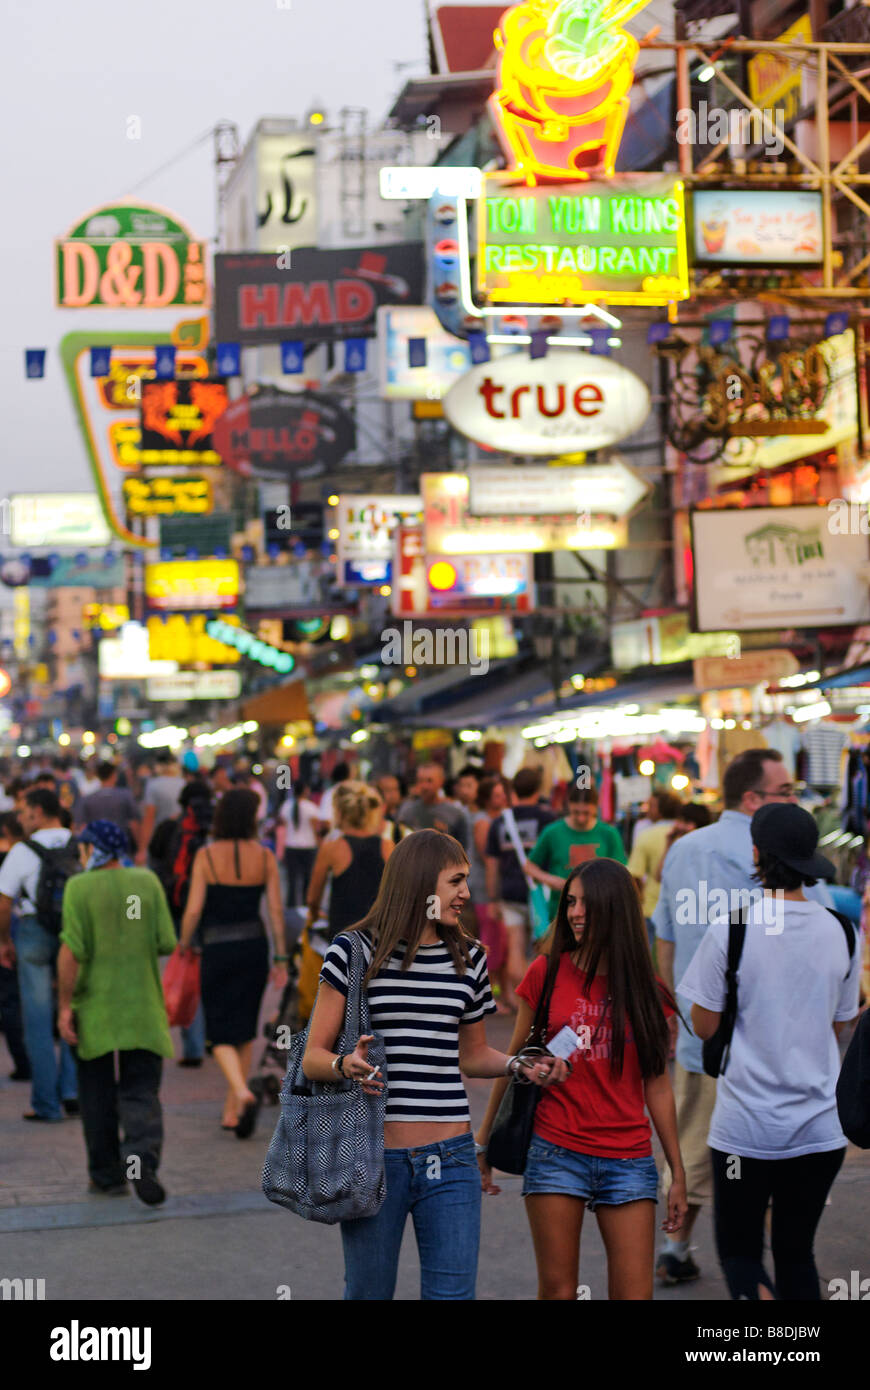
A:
326,1158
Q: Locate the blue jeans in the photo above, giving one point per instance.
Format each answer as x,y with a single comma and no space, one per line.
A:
439,1184
607,1182
53,1079
193,1038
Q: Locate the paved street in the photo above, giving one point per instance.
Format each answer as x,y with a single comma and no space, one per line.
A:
218,1238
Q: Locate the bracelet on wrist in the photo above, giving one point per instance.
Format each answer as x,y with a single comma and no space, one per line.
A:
280,959
337,1064
479,1148
509,1069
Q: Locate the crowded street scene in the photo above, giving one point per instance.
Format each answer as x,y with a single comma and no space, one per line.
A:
435,672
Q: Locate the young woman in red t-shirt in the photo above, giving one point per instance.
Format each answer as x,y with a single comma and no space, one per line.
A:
591,1143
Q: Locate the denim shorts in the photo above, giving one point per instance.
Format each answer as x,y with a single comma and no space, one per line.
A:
599,1181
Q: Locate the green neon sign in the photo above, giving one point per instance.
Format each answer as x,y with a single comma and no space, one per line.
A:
245,642
622,241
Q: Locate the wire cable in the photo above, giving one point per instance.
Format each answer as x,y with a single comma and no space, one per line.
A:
188,149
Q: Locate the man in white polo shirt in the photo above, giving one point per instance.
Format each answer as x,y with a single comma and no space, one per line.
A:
53,1079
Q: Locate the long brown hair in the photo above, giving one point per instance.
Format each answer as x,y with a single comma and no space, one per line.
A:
402,910
615,928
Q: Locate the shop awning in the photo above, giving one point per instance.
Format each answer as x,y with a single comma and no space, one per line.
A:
283,704
857,675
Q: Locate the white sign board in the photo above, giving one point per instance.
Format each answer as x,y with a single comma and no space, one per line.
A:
609,489
282,586
567,402
409,183
58,518
366,524
762,567
447,358
127,658
195,685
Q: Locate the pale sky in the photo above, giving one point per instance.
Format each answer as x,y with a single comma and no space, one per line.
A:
73,74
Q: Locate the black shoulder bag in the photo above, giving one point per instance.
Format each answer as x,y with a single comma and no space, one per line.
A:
511,1134
718,1048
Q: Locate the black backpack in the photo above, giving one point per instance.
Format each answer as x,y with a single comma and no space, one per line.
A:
853,1087
717,1049
57,866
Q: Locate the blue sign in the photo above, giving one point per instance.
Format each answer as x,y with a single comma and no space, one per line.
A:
164,364
778,328
101,358
34,362
658,332
720,331
416,352
836,323
229,359
292,357
538,347
355,354
479,346
600,341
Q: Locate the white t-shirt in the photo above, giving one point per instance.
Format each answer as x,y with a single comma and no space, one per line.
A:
777,1097
19,872
324,810
301,836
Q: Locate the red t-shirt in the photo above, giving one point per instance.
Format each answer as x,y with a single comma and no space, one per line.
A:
594,1111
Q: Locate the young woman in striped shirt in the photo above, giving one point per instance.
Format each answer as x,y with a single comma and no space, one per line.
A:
428,994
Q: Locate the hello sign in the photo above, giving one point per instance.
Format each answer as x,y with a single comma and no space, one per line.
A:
566,402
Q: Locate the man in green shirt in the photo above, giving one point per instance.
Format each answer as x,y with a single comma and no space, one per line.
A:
116,924
564,844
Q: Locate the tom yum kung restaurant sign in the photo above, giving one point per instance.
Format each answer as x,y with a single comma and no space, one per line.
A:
130,256
623,241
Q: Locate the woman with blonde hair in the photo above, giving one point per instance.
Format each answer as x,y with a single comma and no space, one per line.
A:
428,994
354,861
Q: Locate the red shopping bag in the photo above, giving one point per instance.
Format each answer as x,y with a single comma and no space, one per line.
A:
181,987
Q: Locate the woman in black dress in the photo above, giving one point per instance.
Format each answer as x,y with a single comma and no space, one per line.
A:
351,859
229,878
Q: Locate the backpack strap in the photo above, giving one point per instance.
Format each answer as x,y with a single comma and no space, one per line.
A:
39,850
849,929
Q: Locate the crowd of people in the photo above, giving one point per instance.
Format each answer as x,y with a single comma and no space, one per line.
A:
470,897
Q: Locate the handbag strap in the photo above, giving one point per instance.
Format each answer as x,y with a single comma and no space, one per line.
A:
542,1012
356,1013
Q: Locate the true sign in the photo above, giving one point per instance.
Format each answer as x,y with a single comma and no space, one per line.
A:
566,402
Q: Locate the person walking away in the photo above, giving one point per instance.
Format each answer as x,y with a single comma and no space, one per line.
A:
296,841
708,874
428,994
353,862
429,810
570,841
507,887
189,834
591,1142
775,1124
112,803
229,879
648,852
32,879
11,1025
160,801
111,1010
494,795
326,816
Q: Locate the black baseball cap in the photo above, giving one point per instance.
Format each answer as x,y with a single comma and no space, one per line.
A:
790,834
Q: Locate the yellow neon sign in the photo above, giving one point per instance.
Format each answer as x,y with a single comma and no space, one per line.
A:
565,71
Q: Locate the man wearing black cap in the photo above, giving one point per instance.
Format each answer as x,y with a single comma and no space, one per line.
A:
775,1125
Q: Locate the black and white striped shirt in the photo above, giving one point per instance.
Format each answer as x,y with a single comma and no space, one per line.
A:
418,1012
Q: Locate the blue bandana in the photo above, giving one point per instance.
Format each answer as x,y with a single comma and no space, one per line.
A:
109,842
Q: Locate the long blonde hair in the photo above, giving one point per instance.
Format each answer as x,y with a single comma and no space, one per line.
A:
402,909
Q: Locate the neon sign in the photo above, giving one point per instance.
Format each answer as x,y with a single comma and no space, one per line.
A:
624,240
251,646
565,71
130,256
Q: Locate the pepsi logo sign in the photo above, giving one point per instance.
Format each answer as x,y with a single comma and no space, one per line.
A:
566,402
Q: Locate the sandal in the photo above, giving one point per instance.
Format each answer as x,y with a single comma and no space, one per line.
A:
247,1120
